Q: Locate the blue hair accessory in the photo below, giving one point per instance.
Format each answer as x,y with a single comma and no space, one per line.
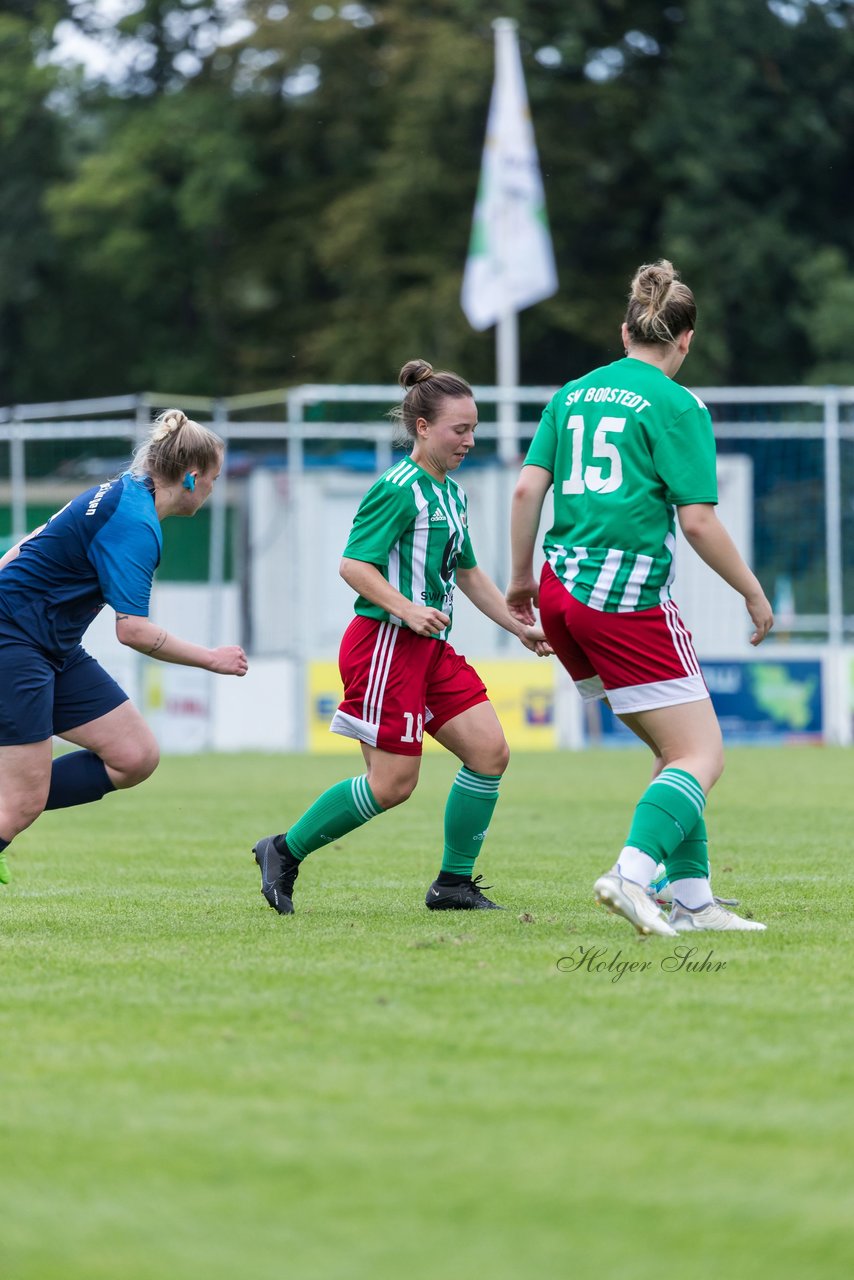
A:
189,481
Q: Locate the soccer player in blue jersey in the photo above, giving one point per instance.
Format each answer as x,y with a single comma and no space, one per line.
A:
102,548
408,548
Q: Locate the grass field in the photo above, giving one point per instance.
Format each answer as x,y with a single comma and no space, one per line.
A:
197,1089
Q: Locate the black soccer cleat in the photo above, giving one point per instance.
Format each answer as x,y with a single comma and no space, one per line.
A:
465,896
278,874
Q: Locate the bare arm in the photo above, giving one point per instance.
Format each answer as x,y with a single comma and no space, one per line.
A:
712,543
146,637
485,596
366,580
523,590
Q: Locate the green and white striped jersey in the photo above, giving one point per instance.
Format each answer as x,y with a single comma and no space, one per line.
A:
415,531
624,444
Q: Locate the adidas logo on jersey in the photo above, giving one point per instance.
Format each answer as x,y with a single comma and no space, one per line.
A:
438,517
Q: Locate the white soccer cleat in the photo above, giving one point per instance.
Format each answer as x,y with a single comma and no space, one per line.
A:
713,917
632,902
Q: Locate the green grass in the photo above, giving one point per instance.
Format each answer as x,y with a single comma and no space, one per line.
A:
197,1089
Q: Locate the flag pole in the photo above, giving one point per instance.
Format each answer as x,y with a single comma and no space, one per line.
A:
506,328
507,380
510,263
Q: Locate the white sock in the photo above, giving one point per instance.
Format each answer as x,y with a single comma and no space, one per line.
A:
693,894
634,864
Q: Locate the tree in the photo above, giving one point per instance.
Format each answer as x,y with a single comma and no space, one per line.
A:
146,219
389,129
751,142
31,159
333,234
826,315
266,193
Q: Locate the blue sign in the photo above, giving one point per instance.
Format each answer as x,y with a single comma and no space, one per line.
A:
756,702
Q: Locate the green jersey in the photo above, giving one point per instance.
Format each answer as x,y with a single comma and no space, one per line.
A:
624,444
414,529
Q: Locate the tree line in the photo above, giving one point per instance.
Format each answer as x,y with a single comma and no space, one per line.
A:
288,197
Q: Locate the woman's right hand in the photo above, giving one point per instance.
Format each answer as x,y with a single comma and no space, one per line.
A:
761,615
425,622
522,596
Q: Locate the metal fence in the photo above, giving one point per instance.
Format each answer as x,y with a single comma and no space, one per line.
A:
800,441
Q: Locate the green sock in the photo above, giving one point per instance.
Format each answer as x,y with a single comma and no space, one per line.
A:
667,812
342,808
690,860
471,802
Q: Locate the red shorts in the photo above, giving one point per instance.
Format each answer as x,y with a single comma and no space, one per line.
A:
641,661
397,684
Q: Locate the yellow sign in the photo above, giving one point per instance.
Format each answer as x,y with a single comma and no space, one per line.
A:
323,694
521,690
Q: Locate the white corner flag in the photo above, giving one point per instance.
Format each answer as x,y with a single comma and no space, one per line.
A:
511,263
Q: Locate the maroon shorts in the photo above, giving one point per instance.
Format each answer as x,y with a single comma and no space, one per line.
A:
640,661
398,684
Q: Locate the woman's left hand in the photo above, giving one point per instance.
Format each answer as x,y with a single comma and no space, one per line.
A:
229,660
534,638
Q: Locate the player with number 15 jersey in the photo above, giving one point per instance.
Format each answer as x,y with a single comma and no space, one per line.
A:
625,449
625,445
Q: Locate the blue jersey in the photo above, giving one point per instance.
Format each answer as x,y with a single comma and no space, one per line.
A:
102,548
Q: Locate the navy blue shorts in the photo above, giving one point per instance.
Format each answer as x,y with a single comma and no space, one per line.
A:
37,701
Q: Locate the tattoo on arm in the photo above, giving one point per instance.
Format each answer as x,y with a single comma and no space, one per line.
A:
158,644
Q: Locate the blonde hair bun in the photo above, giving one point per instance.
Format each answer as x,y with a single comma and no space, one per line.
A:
652,282
175,445
660,306
170,421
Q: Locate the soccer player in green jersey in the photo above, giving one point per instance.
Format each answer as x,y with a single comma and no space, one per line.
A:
622,448
408,548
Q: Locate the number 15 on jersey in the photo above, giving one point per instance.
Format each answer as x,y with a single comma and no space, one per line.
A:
596,479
